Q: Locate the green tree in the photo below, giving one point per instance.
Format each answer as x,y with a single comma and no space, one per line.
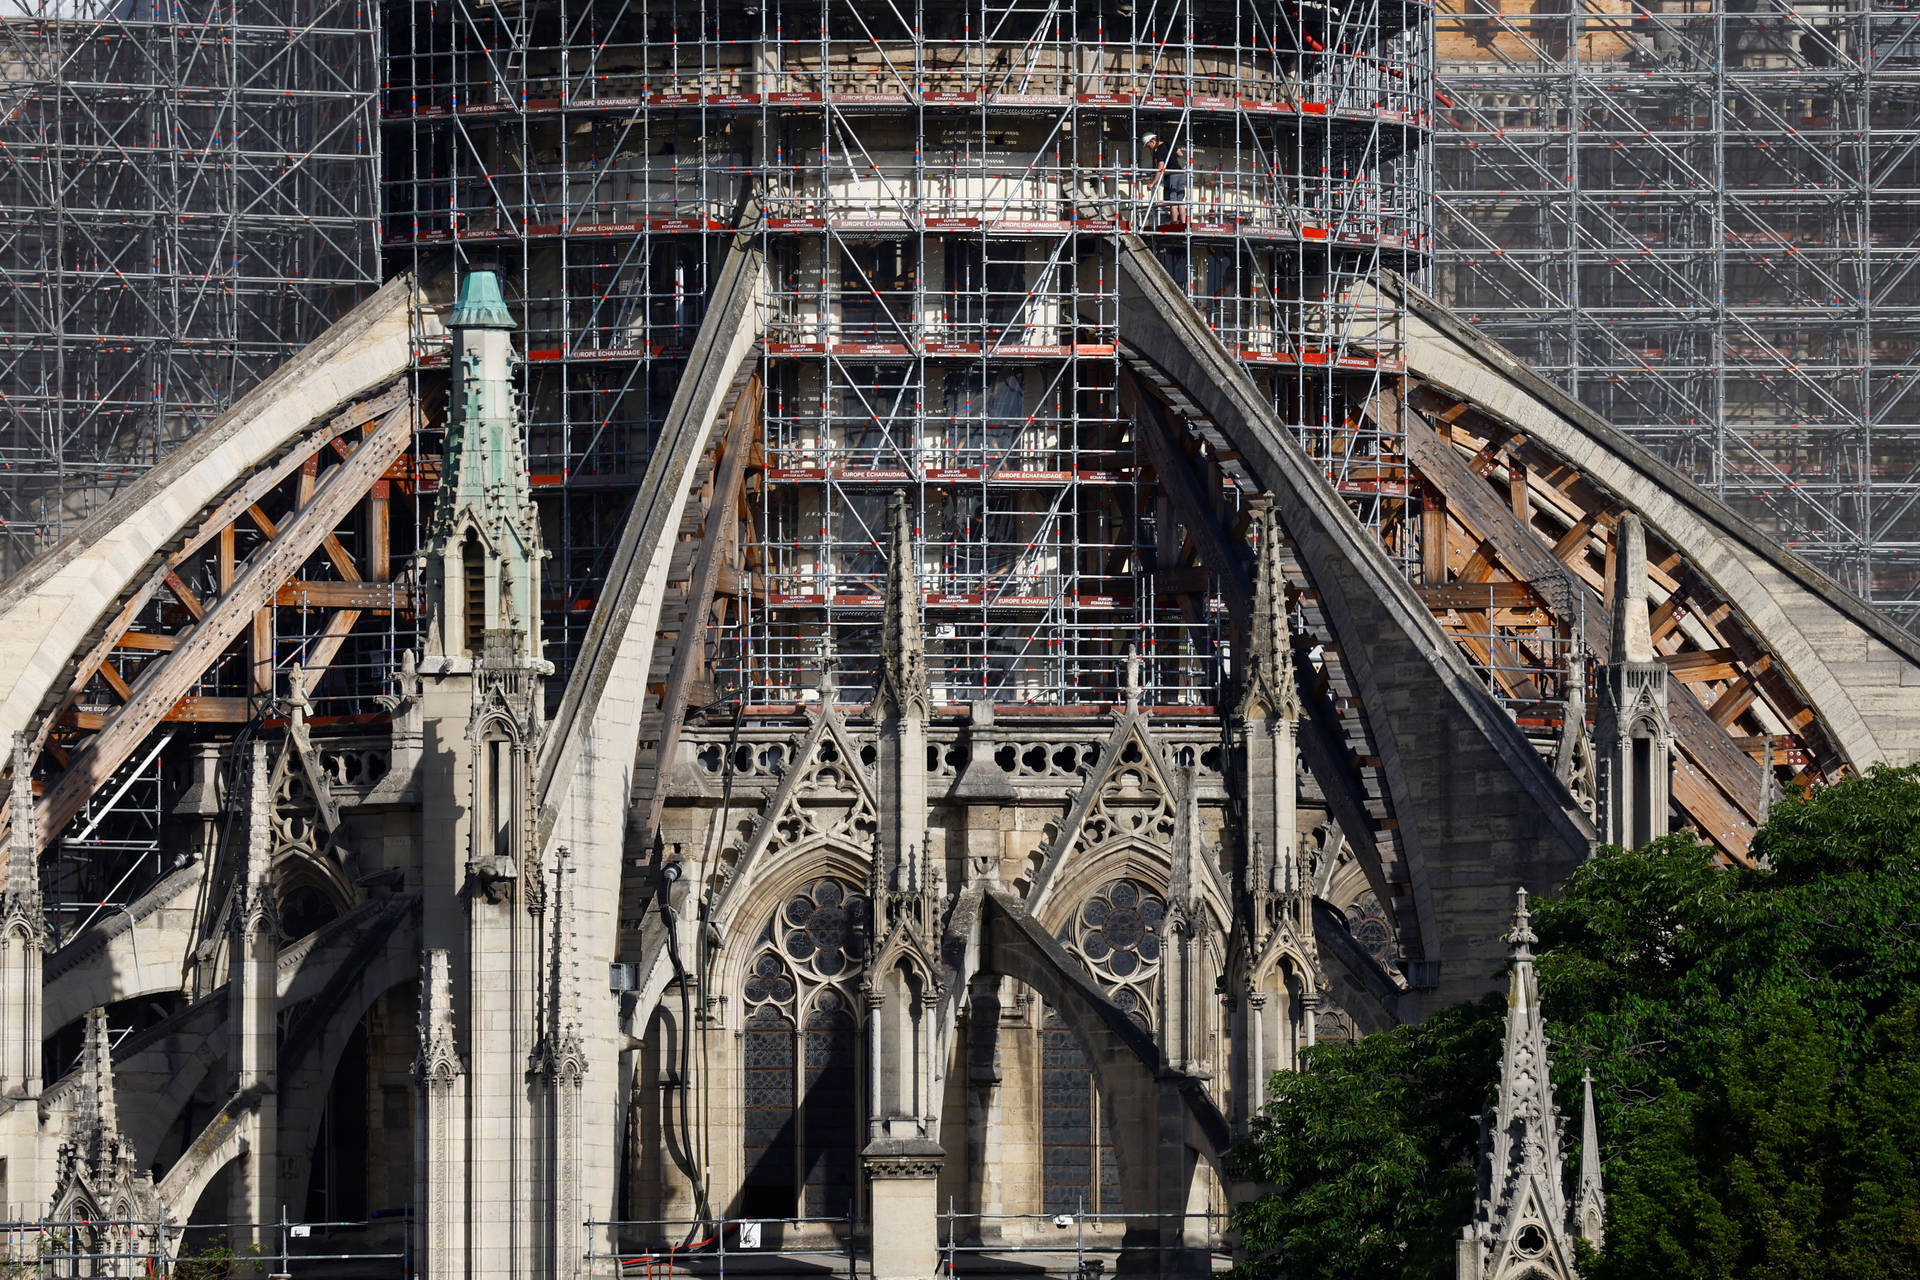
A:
1370,1147
1754,1037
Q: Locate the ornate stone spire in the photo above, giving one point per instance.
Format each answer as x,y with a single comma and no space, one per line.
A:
1184,991
1590,1197
1632,634
439,1060
254,906
22,907
903,662
1573,760
96,1121
99,1173
1525,1138
484,547
565,1058
1267,686
1635,731
1520,1223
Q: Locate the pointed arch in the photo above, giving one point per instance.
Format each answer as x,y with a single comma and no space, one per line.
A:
309,891
740,916
468,598
801,1026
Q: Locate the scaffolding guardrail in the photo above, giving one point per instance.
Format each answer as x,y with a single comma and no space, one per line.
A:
282,1250
705,1246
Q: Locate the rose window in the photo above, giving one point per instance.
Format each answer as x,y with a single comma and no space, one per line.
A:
1119,932
822,930
1368,924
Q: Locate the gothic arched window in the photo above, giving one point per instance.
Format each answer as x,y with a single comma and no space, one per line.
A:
801,1123
1079,1173
1118,932
473,604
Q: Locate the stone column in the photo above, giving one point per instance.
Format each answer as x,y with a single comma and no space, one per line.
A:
440,1135
23,940
251,1013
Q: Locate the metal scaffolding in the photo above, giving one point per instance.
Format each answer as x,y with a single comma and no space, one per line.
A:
187,196
939,190
1701,219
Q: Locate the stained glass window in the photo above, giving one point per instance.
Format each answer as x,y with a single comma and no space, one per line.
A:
1074,1141
1119,933
801,1122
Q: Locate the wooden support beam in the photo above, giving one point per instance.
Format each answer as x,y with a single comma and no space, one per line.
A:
1475,504
1739,695
1161,440
1496,447
1433,537
115,681
260,652
1480,565
142,640
1573,542
380,531
320,654
342,562
306,593
220,520
1701,665
200,709
1725,824
1481,596
184,594
166,680
1665,618
690,645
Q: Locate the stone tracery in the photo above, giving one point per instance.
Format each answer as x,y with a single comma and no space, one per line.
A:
1119,932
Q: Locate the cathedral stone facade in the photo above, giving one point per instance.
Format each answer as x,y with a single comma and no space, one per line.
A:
891,746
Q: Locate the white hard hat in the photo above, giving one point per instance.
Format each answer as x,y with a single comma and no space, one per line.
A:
1152,137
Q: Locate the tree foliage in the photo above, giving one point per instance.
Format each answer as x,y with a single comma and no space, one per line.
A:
1373,1151
1754,1037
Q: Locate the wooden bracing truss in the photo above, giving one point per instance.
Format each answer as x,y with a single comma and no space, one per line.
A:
712,564
1513,537
1515,546
194,639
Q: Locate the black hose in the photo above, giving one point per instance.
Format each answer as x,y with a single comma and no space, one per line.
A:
687,1163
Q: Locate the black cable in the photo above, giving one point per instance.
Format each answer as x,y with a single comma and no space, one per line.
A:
686,1162
689,1165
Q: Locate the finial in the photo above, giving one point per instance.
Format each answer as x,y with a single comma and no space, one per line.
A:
1521,935
1632,631
1133,678
23,853
902,654
829,681
1590,1202
481,305
99,1114
1268,686
299,703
